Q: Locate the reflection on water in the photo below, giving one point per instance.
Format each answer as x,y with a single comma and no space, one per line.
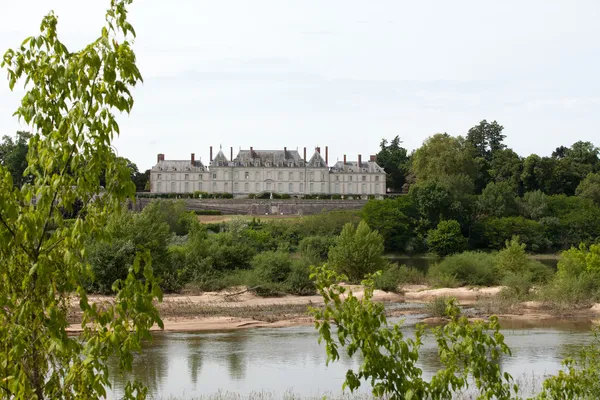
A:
278,360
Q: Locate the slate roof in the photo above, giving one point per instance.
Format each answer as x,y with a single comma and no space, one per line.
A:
352,166
179,165
271,158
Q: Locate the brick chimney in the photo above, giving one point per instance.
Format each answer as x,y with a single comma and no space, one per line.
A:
160,157
373,158
231,153
251,152
344,159
193,159
327,155
305,154
359,160
211,157
318,149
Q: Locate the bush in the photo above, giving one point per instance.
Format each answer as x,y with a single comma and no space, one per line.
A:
468,268
494,232
272,266
298,281
446,239
208,212
316,248
357,252
438,305
394,276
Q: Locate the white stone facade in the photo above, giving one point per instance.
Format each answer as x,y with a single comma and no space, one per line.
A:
268,171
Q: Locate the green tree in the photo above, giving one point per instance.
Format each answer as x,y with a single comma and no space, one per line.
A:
487,139
394,159
69,100
392,218
442,155
446,239
498,200
13,156
507,166
534,205
590,188
358,251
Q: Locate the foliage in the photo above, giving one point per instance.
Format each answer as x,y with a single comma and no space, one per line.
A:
392,218
393,276
13,157
437,306
272,266
469,352
394,160
534,205
442,155
486,138
497,200
446,239
493,233
173,213
207,212
69,100
357,252
468,268
298,281
316,248
590,188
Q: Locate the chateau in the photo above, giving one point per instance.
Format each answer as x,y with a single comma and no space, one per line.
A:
271,171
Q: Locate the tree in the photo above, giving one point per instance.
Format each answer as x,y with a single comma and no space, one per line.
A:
392,218
13,156
486,138
442,155
69,104
446,239
590,188
394,159
534,205
507,166
498,200
358,251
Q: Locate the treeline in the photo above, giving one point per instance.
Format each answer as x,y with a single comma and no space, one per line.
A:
474,193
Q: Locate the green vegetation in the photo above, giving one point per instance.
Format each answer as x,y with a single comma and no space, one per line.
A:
469,352
72,171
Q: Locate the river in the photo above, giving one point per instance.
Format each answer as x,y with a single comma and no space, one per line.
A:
187,365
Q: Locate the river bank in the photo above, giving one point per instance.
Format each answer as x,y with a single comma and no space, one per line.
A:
237,308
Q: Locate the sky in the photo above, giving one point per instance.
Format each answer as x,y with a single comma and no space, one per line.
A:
339,73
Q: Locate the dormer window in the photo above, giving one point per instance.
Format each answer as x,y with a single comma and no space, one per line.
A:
267,164
291,164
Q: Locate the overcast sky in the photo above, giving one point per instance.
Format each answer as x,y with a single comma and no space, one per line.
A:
341,73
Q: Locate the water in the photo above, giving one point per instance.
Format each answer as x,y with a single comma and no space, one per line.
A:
290,359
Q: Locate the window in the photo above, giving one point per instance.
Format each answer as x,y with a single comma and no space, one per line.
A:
291,176
257,187
235,186
200,186
322,177
173,187
257,176
350,178
364,188
312,176
246,186
226,175
158,177
301,176
377,187
312,187
214,186
226,186
186,187
268,185
291,188
214,175
323,187
159,187
246,175
280,176
301,187
377,178
172,177
337,188
267,164
291,164
364,178
187,176
200,176
280,187
268,174
337,177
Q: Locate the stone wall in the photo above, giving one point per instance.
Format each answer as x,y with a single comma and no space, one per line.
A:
262,207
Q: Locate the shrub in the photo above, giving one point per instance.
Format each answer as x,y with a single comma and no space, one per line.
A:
298,281
357,252
207,212
394,276
494,232
438,305
446,239
316,248
272,266
468,268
